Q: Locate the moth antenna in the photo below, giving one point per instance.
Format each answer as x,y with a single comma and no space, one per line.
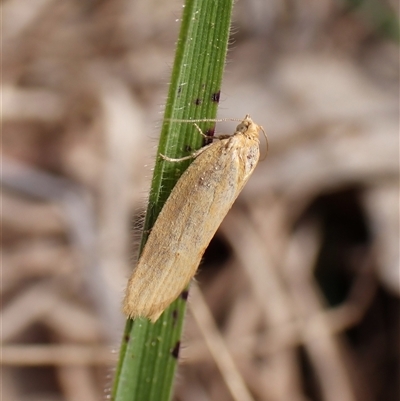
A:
200,120
266,139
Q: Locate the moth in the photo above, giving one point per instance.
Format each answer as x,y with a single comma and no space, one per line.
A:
189,219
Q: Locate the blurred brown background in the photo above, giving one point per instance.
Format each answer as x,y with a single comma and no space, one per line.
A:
303,276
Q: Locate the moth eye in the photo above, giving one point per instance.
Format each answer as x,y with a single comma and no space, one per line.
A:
242,127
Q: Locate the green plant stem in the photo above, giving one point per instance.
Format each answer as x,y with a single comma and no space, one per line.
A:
149,352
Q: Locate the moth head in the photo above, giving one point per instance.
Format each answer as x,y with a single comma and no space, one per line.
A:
244,125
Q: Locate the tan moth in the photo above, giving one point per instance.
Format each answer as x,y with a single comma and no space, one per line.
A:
189,219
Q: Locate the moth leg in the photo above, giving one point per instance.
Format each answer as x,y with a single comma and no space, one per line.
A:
195,154
212,137
202,133
181,159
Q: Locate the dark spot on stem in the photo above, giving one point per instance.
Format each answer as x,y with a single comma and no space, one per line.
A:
184,295
198,102
127,337
175,350
174,316
215,96
210,133
179,90
188,148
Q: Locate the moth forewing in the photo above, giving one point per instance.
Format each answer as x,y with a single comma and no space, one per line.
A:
189,219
